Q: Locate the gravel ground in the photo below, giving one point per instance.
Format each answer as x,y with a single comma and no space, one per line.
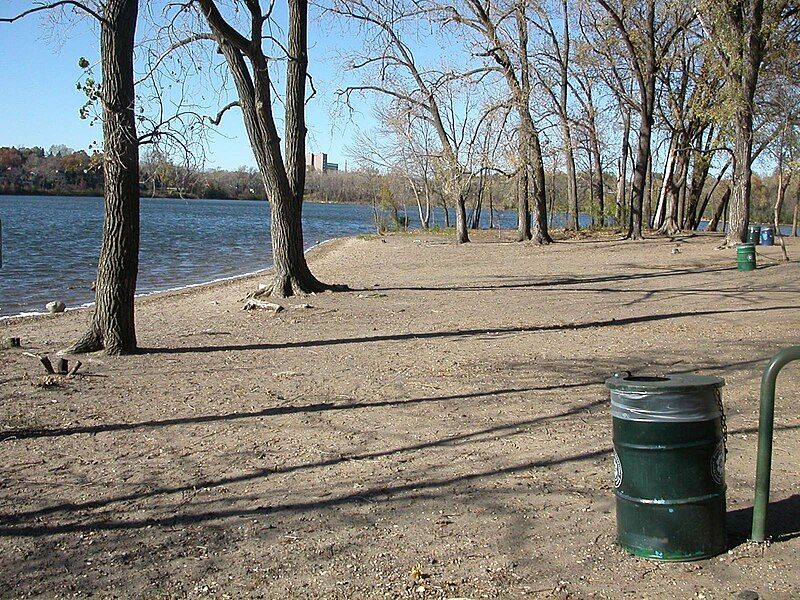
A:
441,431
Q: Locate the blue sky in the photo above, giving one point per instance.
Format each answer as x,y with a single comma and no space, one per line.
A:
40,103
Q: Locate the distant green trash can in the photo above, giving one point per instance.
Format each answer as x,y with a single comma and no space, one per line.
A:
669,465
754,234
746,257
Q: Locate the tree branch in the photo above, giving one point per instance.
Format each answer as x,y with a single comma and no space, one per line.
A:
51,6
216,120
179,44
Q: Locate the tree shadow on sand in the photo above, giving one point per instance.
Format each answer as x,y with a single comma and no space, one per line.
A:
560,282
10,523
396,337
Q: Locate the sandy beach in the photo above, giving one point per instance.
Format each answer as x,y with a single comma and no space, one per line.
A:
441,431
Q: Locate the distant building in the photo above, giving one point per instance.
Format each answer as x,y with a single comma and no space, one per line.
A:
317,161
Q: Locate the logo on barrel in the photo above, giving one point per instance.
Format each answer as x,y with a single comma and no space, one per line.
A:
718,464
617,470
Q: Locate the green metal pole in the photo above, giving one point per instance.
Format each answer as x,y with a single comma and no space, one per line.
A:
765,430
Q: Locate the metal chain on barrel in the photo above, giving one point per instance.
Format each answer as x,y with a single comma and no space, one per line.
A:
718,394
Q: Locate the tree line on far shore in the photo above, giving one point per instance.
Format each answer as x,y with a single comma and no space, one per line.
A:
62,171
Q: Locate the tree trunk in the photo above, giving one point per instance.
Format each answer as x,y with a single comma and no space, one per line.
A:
572,183
292,275
475,217
539,231
491,208
462,236
112,326
622,178
590,165
739,209
671,224
523,208
426,221
283,176
640,176
702,163
723,203
423,215
682,193
660,215
780,197
708,194
550,210
376,216
599,191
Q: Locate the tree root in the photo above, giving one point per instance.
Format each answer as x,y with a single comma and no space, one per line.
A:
727,244
287,287
669,228
541,240
91,341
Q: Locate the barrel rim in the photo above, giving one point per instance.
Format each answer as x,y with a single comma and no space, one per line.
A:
671,382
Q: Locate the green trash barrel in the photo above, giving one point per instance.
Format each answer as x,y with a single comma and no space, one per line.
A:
754,234
746,257
669,465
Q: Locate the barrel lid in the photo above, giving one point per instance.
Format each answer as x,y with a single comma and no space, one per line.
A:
667,383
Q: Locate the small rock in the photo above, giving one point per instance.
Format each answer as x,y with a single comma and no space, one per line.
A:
55,307
747,595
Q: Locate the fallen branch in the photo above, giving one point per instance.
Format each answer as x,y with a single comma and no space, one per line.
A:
252,304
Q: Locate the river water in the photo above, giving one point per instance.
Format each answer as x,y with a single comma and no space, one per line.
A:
50,245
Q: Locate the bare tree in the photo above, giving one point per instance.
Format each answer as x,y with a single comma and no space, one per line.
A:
412,89
554,76
647,29
684,106
742,33
112,325
583,83
283,170
503,40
